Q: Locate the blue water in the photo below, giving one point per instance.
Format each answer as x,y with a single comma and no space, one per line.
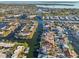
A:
75,5
40,26
39,31
75,42
2,25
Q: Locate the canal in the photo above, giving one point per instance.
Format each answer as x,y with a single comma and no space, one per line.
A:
35,42
73,40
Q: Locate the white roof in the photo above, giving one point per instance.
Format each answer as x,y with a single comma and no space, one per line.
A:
2,55
1,32
6,44
66,46
17,51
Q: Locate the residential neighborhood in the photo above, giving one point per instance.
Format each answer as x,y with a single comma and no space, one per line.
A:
39,29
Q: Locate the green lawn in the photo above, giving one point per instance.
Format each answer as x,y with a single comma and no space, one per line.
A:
22,44
70,46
